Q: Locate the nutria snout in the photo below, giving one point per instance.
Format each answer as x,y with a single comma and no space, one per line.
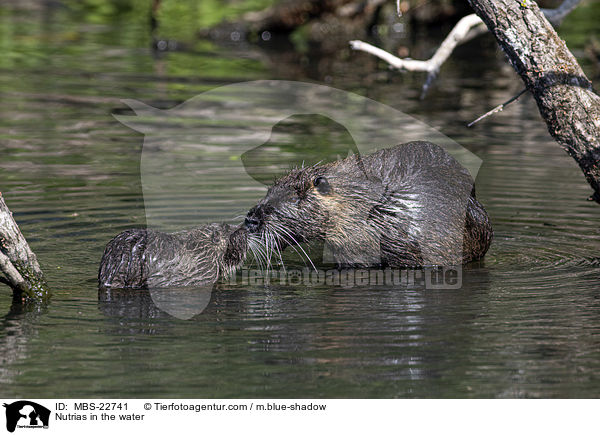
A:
147,258
407,206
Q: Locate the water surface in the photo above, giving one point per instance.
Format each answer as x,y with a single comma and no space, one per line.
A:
526,322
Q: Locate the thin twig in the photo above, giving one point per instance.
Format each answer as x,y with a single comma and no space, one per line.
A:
498,108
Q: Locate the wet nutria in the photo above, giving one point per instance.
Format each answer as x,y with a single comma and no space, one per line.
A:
147,258
407,206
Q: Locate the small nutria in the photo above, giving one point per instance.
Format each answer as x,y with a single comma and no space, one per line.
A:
147,258
407,206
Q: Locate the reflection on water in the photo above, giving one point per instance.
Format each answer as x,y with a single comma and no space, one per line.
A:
526,322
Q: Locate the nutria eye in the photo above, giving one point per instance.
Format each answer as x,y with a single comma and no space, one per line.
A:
322,185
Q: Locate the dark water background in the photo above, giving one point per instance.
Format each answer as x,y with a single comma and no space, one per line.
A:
526,322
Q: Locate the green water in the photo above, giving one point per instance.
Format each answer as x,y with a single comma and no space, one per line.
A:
526,322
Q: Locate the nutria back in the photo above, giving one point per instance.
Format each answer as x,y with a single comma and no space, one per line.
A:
147,258
406,206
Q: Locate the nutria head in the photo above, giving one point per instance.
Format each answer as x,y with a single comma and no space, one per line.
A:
294,209
330,203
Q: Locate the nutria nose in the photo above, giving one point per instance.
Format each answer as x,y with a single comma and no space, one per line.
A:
252,224
252,221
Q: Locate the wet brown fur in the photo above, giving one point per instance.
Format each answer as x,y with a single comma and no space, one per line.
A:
407,206
147,258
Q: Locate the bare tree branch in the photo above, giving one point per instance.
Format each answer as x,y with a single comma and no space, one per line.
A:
466,29
458,35
18,262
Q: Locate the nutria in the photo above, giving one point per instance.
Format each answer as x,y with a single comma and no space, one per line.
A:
147,258
407,206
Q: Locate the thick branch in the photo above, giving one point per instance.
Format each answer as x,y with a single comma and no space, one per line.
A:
551,73
17,261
